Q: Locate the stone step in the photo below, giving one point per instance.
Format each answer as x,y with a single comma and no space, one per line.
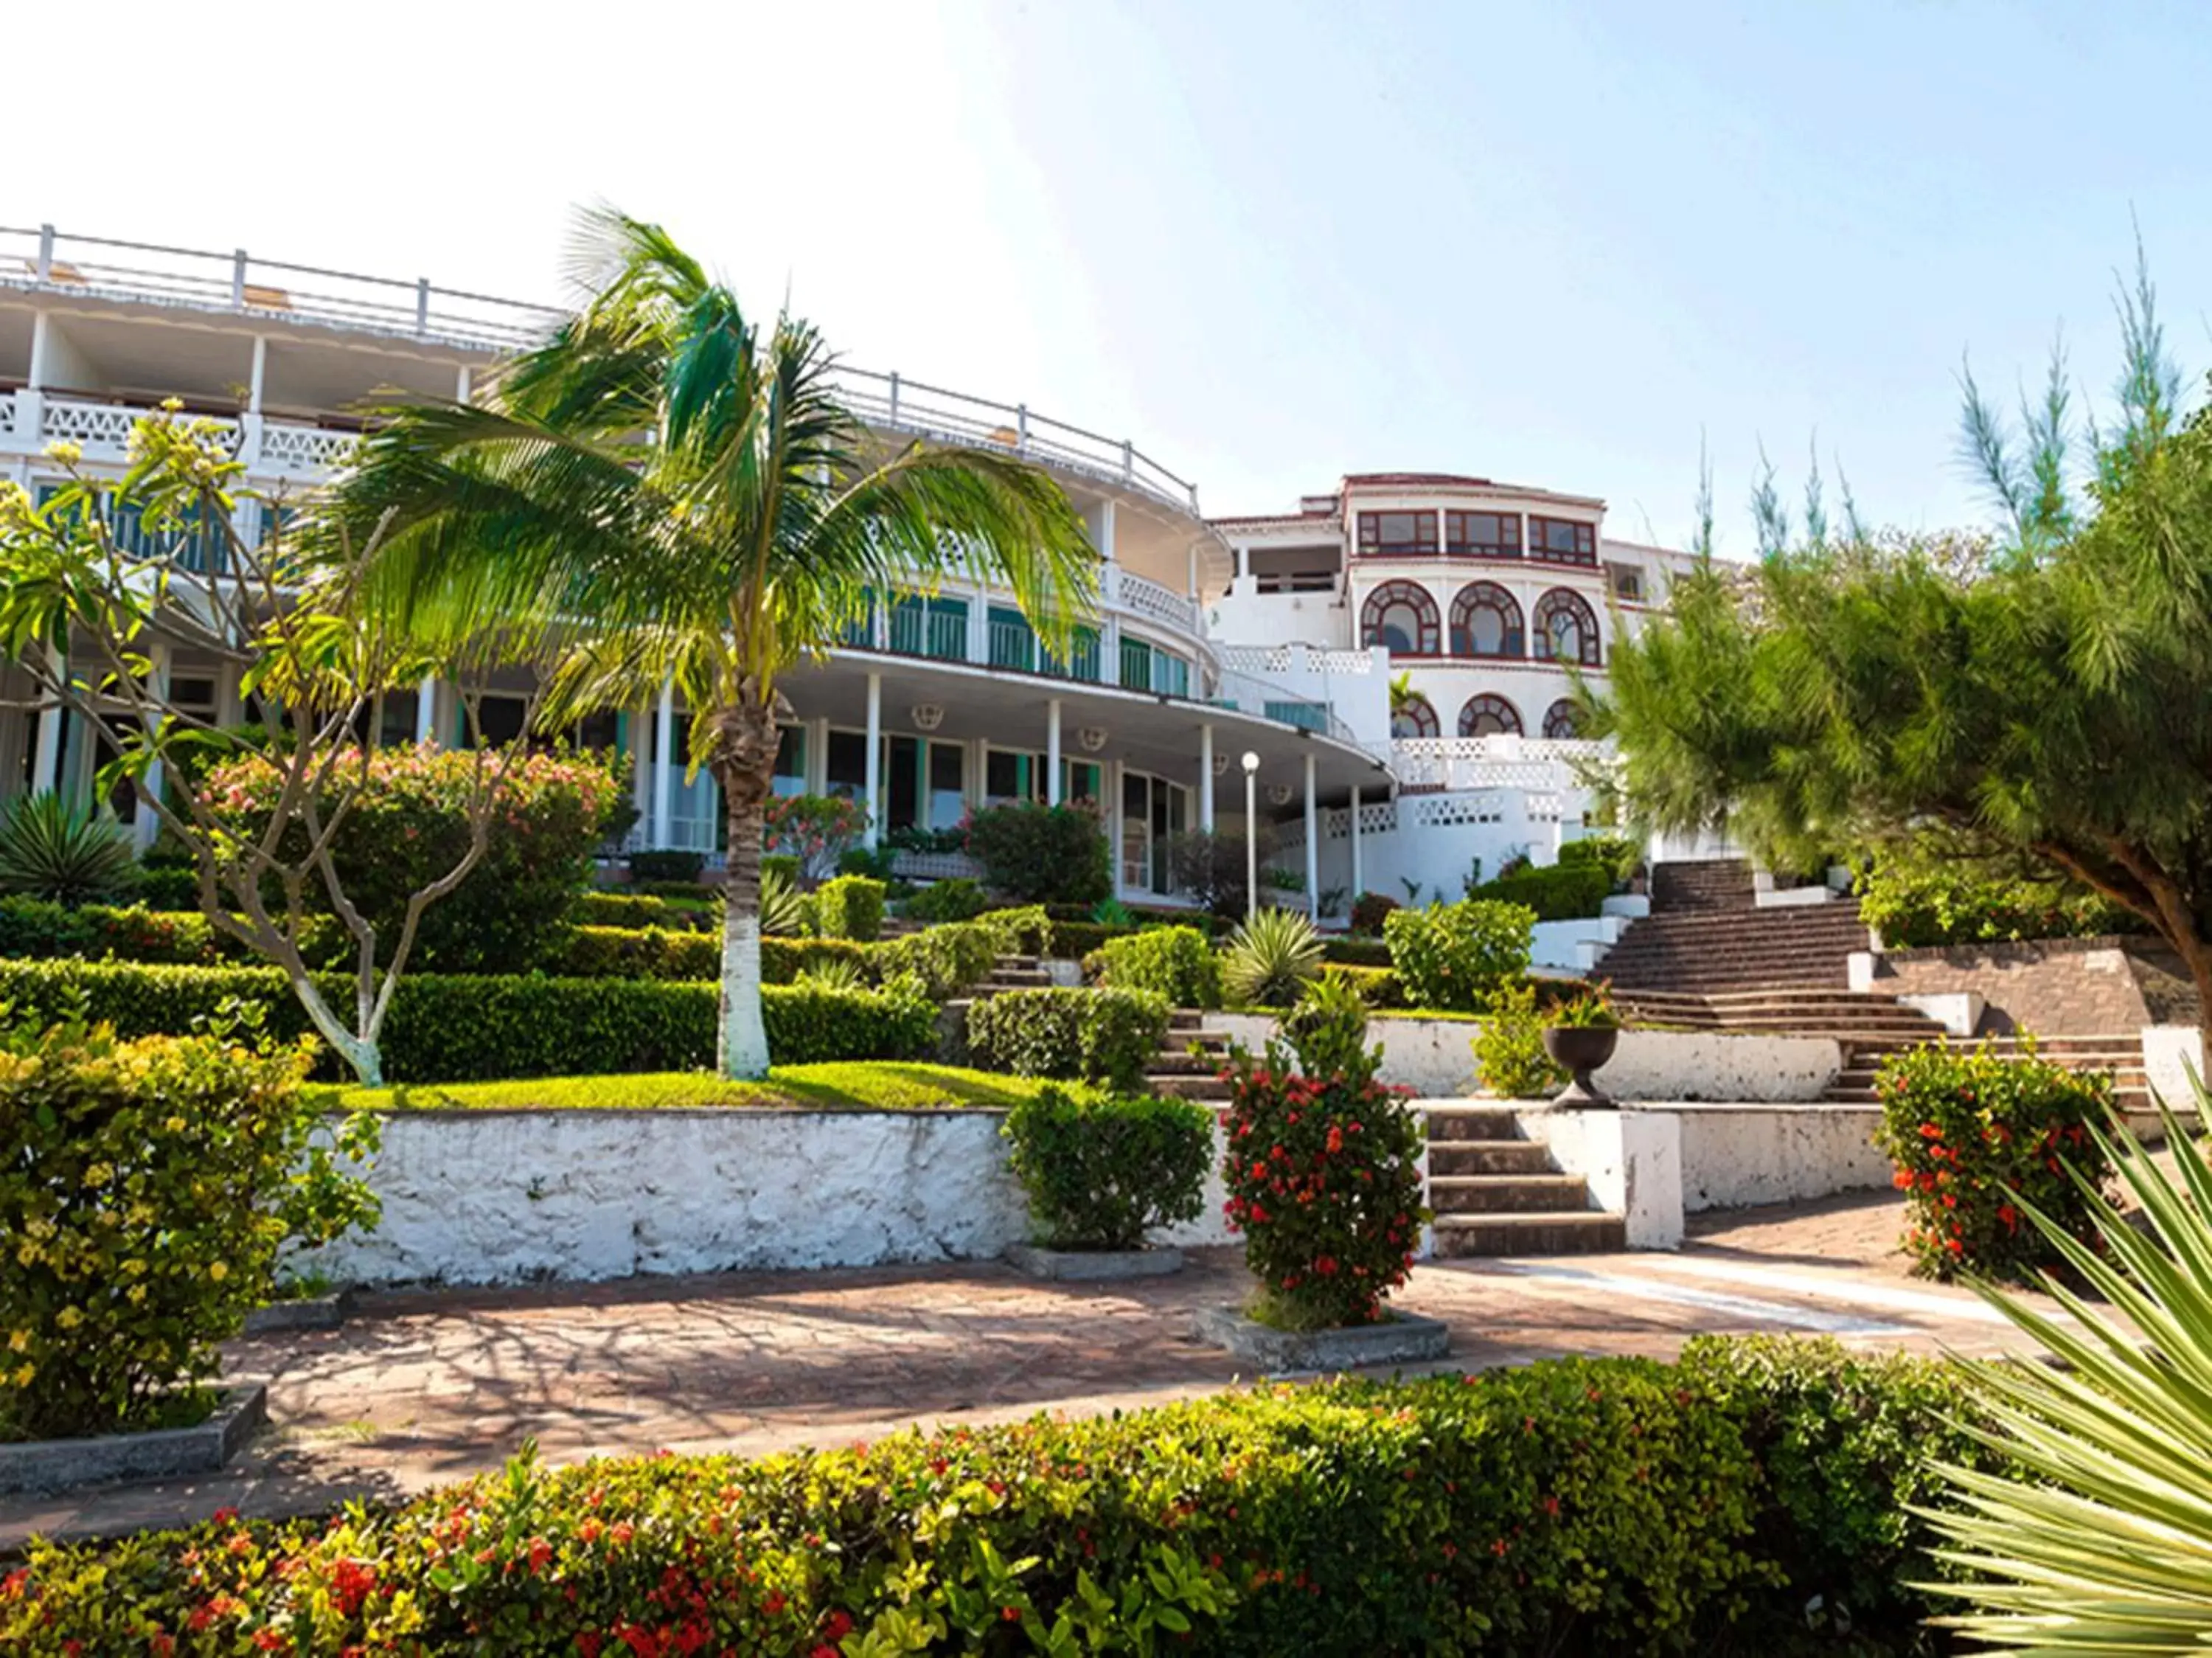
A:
1183,1064
1499,1194
1455,1157
1005,978
1185,1018
1470,1122
1567,1233
1208,1087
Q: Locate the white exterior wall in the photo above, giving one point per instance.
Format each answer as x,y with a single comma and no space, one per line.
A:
1733,1155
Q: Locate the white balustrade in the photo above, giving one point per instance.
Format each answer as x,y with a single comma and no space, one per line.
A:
290,448
1156,603
91,426
7,414
1278,660
1556,766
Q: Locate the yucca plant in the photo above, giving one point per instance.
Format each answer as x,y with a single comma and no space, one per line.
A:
1270,958
2107,1546
833,975
50,849
782,905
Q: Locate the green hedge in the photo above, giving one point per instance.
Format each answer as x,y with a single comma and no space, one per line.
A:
1100,1036
482,1028
635,910
1100,1173
1563,891
1450,957
1355,951
1754,1497
1915,903
851,906
650,953
1176,963
1071,940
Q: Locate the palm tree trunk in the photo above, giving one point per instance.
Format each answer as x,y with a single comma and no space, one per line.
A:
742,758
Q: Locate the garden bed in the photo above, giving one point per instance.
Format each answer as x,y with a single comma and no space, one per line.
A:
880,1085
54,1464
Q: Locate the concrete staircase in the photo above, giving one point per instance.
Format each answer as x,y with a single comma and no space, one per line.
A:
1189,1064
2121,1055
1495,1192
1708,884
1711,949
1014,972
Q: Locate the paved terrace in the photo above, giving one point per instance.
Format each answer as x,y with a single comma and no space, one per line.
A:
422,1387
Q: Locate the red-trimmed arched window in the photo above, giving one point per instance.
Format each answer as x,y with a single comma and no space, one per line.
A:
1414,717
1486,621
1489,716
1402,616
1566,628
1559,719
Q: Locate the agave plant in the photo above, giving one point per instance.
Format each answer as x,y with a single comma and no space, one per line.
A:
50,850
2107,1547
782,905
833,975
1270,958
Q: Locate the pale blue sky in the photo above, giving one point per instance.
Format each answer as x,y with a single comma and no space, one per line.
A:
1272,242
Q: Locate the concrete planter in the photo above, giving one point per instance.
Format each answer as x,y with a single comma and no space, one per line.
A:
309,1312
57,1465
1091,1266
1405,1338
1582,1049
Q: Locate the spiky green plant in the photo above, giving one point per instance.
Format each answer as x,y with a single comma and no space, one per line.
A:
1270,958
782,905
679,496
833,975
2107,1546
50,849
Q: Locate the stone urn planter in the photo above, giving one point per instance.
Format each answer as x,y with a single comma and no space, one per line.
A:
1582,1049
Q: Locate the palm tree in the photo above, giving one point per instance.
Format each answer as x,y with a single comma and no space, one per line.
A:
676,497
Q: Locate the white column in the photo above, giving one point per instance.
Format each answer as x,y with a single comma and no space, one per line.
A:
461,384
641,771
46,753
1313,846
875,772
260,374
40,349
1205,779
144,825
1052,751
1358,868
663,768
1111,772
426,711
818,755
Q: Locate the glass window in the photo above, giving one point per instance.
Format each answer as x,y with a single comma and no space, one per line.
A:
1136,831
1483,535
1626,581
1563,540
844,768
1397,534
1136,665
948,784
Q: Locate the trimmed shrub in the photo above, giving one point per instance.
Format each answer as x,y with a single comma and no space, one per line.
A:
1268,959
166,886
955,899
1071,940
1377,986
648,953
1510,1060
1755,1496
1355,951
1449,956
483,1028
1031,853
683,892
1369,911
635,910
1973,1137
409,825
147,1189
1099,1174
783,959
1026,930
1209,867
1562,892
1173,962
1617,855
948,959
851,906
667,865
1324,1170
1097,1036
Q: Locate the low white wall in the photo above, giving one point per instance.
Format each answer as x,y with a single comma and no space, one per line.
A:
1632,1159
2173,1055
507,1197
1733,1155
1568,943
1435,1057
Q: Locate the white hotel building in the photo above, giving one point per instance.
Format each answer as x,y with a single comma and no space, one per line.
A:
1272,636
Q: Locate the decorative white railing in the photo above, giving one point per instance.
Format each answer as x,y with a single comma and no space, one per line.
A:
107,268
935,866
1555,765
1279,660
1149,599
895,404
103,430
290,448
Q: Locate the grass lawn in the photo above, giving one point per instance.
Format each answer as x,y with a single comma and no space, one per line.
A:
851,1086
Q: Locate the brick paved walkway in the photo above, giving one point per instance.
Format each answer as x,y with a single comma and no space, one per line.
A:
425,1386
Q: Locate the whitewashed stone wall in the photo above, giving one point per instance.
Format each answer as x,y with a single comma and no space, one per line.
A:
508,1196
1736,1154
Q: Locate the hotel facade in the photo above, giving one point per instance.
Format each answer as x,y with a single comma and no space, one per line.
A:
1273,638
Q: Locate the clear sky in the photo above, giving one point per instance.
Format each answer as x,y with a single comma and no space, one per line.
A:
1271,242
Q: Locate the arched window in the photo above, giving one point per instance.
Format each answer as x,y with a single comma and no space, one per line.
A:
1486,622
1413,716
1559,719
1489,716
1566,628
1401,616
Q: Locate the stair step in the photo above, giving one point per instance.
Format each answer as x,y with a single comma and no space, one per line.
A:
1183,1064
1500,1194
1457,1157
1208,1087
1461,1123
1567,1233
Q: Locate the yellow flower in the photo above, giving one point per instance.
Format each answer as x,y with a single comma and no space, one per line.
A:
20,1342
137,1293
23,1375
68,1318
219,1270
65,454
28,1254
175,1125
99,1174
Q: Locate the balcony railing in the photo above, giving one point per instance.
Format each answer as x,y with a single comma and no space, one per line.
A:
101,427
103,267
1553,765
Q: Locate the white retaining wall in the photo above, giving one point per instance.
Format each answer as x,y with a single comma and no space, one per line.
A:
507,1197
1736,1154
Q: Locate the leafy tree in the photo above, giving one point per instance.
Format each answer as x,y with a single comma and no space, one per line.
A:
2044,695
86,617
676,496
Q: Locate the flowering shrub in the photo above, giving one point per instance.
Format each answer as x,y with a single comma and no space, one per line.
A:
1174,962
1722,1504
1032,853
1451,956
1323,1169
1100,1036
1099,1174
1973,1135
147,1189
816,829
409,825
482,1027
